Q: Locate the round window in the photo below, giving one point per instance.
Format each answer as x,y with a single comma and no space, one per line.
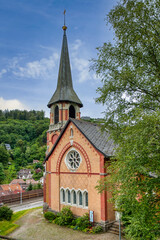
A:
73,160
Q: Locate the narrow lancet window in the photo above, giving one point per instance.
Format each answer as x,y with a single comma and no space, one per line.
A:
72,112
69,196
56,115
74,197
80,198
71,133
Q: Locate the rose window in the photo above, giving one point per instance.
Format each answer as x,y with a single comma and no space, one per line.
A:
73,160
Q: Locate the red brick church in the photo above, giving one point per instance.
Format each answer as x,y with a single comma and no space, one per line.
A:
76,152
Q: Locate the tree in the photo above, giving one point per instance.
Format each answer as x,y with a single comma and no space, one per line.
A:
130,72
4,156
129,68
30,187
2,174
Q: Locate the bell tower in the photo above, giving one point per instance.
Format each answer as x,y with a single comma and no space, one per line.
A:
64,103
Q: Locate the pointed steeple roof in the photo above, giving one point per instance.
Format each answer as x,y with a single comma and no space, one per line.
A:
64,90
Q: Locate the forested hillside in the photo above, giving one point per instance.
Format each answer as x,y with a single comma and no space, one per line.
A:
25,131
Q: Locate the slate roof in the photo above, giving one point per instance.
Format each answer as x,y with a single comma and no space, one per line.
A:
64,91
20,181
100,140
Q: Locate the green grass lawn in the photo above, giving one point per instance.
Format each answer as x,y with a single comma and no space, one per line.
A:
7,227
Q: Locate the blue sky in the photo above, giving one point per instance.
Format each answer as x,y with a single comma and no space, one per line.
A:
30,45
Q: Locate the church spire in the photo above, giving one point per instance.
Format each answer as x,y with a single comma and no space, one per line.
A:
64,91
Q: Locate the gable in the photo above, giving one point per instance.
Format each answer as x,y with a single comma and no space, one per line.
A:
73,140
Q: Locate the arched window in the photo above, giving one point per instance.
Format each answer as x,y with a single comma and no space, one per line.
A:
56,114
85,199
72,112
68,196
80,203
74,197
63,199
71,132
54,138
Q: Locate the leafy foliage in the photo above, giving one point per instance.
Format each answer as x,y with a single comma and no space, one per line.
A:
22,115
37,176
2,174
5,213
26,137
65,217
7,227
130,74
30,187
50,216
83,222
4,156
97,229
129,68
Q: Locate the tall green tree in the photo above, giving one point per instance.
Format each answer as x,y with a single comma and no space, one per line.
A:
130,67
4,156
2,174
130,72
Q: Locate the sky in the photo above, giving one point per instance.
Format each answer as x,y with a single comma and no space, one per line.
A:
30,46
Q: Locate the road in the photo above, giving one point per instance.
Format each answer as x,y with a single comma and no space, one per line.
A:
27,205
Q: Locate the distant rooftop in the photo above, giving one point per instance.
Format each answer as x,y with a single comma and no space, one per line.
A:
7,146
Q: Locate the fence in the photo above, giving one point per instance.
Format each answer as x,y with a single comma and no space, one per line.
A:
21,196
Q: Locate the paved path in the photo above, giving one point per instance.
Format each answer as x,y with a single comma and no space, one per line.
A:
27,204
33,226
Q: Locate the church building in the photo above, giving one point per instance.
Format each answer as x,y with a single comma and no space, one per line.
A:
76,153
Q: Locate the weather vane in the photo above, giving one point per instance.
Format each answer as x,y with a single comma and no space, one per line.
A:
64,27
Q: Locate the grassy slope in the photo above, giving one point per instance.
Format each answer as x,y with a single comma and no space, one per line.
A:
7,227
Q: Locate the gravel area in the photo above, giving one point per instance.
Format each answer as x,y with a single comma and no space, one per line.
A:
33,226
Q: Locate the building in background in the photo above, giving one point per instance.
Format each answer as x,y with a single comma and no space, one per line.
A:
25,174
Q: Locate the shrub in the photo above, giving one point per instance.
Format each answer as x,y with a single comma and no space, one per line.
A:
5,213
65,217
83,222
97,229
50,216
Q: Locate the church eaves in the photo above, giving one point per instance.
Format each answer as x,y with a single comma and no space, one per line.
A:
100,140
64,91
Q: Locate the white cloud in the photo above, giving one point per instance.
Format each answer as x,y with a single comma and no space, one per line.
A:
2,72
11,104
76,45
82,66
42,69
80,62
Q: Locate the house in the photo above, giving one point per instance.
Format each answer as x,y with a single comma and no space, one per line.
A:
21,182
35,161
7,146
32,181
25,174
24,184
7,189
76,153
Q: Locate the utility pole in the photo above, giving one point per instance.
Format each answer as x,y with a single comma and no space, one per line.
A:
120,228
